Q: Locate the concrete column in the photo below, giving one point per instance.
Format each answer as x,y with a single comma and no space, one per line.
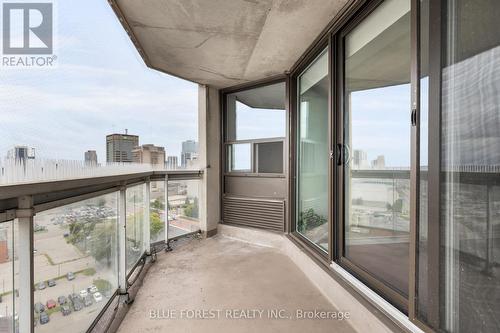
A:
25,216
209,122
147,216
122,262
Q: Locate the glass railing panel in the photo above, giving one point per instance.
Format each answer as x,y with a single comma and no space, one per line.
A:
134,230
183,207
9,296
157,211
75,263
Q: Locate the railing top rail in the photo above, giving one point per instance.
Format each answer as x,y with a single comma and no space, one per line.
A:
52,190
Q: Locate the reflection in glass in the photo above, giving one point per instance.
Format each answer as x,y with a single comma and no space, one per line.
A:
463,294
75,263
256,113
157,211
377,134
312,155
183,207
134,233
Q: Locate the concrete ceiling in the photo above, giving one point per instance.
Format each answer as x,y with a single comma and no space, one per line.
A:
224,42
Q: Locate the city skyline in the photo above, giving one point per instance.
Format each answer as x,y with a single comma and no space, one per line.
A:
92,93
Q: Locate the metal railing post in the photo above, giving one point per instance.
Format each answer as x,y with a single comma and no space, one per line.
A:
147,217
167,222
25,216
122,225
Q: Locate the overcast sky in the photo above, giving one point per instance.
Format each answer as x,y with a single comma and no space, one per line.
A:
100,86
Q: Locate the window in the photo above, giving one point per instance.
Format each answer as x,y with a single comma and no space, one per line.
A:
377,140
312,154
239,157
75,263
255,129
267,156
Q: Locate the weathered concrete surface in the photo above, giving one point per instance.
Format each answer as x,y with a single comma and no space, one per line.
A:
226,42
219,273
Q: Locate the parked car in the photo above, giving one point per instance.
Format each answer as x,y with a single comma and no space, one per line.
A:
65,310
92,289
87,300
97,296
51,282
70,276
76,300
39,307
62,300
44,318
83,293
42,285
51,304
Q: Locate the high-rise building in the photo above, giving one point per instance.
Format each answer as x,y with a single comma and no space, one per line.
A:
91,157
172,162
119,147
21,153
360,159
379,162
149,154
189,152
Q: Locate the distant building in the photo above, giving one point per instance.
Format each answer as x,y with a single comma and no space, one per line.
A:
379,162
119,147
189,152
192,161
21,153
360,159
149,154
172,162
91,157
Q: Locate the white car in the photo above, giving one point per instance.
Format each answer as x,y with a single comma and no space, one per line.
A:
83,293
97,297
92,289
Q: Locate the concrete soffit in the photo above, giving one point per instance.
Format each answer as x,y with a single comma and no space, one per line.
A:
224,43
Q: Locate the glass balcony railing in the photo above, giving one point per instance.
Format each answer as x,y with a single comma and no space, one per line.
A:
89,240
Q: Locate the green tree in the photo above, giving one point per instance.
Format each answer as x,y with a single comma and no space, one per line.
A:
158,205
156,225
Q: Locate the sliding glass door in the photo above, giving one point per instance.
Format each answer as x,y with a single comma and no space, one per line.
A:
376,168
458,280
312,152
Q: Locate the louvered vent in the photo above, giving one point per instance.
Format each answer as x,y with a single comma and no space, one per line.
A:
257,213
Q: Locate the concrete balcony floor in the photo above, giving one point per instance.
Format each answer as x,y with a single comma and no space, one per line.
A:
224,274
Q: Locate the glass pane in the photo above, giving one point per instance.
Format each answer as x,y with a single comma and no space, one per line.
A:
468,163
134,246
239,157
75,262
312,173
9,276
256,113
157,213
183,207
269,157
377,136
